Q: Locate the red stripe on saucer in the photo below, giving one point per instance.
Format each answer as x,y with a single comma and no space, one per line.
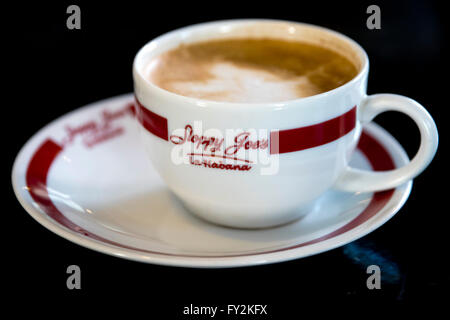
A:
48,151
36,179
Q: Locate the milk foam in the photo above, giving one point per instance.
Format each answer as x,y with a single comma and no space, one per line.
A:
249,70
232,83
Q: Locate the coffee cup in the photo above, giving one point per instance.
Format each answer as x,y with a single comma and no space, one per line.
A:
265,163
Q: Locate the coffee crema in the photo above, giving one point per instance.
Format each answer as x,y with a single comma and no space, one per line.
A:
250,70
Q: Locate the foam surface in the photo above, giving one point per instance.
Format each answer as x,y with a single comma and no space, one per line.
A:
229,82
250,70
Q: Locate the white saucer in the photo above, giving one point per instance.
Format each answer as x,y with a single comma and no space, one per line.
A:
99,190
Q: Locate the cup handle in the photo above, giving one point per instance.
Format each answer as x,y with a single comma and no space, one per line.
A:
354,180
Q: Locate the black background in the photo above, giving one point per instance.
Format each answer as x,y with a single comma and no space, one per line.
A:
56,70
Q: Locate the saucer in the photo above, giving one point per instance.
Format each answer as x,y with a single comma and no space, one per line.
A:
85,177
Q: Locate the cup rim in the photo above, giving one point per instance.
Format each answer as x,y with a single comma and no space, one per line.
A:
152,44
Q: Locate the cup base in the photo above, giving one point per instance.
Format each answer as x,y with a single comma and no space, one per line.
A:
246,219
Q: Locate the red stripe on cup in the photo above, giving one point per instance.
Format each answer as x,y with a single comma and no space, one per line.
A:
297,139
151,121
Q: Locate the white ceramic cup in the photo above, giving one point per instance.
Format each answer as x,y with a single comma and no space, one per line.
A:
275,159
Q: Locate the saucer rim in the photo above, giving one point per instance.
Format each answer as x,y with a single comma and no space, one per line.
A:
398,199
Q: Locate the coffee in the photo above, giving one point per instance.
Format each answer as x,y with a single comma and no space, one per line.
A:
250,70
